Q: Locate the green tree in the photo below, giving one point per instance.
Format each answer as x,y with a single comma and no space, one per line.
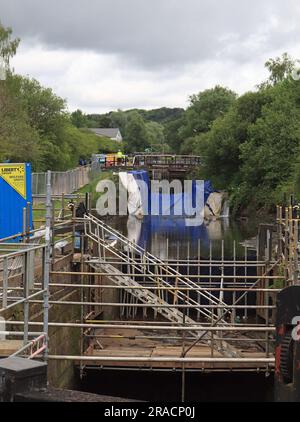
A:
220,147
104,121
98,120
136,139
172,135
253,151
119,120
280,68
18,140
161,115
204,109
46,111
79,119
47,115
273,143
156,137
8,45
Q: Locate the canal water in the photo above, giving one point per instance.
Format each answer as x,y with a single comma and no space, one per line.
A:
172,237
172,240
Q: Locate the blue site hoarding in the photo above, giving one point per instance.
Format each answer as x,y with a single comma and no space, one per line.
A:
15,194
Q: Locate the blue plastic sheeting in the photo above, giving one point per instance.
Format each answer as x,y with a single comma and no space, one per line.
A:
11,206
208,189
168,204
166,221
171,227
179,204
143,176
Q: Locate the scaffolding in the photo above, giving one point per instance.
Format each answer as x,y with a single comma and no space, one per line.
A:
205,320
216,315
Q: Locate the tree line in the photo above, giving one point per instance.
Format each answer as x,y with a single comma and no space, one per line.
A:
142,130
34,123
250,144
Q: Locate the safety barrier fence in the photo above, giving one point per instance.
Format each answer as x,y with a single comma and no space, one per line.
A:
62,182
21,267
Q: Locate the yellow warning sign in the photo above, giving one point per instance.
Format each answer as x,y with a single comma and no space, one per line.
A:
15,176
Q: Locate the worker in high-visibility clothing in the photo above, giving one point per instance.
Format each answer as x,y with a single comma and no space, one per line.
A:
120,157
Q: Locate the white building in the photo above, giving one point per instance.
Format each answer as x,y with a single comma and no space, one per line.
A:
113,133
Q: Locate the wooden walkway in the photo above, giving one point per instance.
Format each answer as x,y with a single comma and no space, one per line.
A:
125,343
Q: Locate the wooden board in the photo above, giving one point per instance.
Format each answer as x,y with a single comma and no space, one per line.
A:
120,346
8,347
195,352
124,352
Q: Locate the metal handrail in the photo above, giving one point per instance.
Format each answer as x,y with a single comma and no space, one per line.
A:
154,260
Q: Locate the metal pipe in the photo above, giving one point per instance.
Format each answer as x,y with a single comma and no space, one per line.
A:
193,263
152,327
21,252
20,301
149,305
161,359
137,337
26,272
253,277
19,333
111,286
5,282
258,370
47,262
15,236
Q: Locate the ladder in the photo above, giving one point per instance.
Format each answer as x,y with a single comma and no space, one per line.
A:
144,295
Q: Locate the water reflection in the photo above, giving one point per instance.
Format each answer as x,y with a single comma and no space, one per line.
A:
170,238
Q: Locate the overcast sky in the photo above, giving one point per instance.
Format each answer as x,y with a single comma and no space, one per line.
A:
102,55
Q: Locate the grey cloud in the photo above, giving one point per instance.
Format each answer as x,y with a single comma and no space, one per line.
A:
155,33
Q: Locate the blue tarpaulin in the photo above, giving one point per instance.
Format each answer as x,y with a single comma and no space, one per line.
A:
165,219
169,204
